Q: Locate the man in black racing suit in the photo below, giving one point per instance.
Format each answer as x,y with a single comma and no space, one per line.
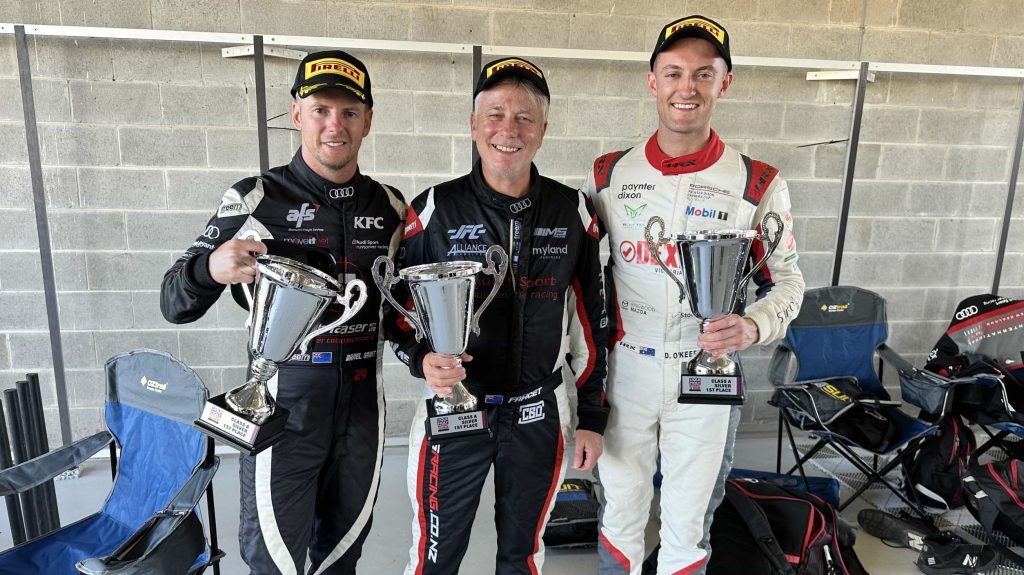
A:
314,490
553,287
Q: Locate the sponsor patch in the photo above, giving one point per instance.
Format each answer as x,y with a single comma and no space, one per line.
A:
322,356
531,412
335,66
512,62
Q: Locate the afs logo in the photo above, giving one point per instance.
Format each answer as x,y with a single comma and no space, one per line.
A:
305,213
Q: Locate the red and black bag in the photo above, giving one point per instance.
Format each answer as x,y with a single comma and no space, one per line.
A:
935,469
995,496
762,528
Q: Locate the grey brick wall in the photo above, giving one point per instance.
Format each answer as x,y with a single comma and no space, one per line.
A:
139,140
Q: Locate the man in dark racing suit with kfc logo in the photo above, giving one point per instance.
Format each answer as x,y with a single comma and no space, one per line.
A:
553,288
314,490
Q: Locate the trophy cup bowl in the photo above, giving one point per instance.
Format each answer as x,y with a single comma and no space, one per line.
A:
443,298
288,301
713,281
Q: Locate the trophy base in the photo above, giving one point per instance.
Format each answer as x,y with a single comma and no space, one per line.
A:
445,426
711,389
223,424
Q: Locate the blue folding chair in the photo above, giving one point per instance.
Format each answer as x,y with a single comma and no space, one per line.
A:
150,521
837,334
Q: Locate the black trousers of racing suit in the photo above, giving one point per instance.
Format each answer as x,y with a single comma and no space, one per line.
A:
527,440
327,463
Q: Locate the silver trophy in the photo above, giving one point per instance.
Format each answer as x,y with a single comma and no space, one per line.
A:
442,295
713,281
288,301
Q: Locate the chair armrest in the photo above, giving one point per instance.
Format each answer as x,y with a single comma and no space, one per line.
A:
35,472
169,542
896,360
778,365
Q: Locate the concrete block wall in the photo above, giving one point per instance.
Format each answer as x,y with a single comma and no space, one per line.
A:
140,138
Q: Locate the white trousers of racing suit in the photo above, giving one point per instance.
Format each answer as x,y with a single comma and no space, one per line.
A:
655,336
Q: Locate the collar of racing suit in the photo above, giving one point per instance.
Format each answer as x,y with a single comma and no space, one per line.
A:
514,207
685,164
333,192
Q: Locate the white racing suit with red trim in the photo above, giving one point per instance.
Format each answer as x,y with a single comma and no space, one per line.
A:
553,289
652,335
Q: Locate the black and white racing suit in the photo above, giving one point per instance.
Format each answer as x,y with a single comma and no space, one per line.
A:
553,288
653,336
314,490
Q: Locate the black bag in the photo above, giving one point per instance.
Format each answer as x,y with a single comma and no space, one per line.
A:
994,494
985,404
838,405
762,528
573,521
934,471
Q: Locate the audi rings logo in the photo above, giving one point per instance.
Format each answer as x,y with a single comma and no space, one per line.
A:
212,232
341,193
520,206
966,312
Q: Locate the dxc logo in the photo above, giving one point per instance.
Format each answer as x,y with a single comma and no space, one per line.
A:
303,214
212,232
367,222
467,232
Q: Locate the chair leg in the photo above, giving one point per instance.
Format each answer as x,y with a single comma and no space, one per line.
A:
215,553
796,454
994,440
876,477
806,457
778,446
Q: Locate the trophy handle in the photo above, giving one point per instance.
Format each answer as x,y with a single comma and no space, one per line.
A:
385,282
246,289
498,273
772,244
653,246
349,309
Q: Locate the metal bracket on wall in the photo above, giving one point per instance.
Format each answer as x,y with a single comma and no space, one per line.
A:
242,51
839,75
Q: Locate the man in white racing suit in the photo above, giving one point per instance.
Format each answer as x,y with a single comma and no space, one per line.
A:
688,176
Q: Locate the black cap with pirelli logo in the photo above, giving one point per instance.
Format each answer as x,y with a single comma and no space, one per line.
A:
695,26
333,69
498,70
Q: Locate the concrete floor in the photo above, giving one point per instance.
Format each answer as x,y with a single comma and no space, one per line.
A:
386,548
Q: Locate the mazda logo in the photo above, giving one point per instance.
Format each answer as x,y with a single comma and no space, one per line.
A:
966,312
341,193
212,232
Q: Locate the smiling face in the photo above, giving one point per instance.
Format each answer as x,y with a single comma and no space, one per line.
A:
508,128
333,124
688,78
